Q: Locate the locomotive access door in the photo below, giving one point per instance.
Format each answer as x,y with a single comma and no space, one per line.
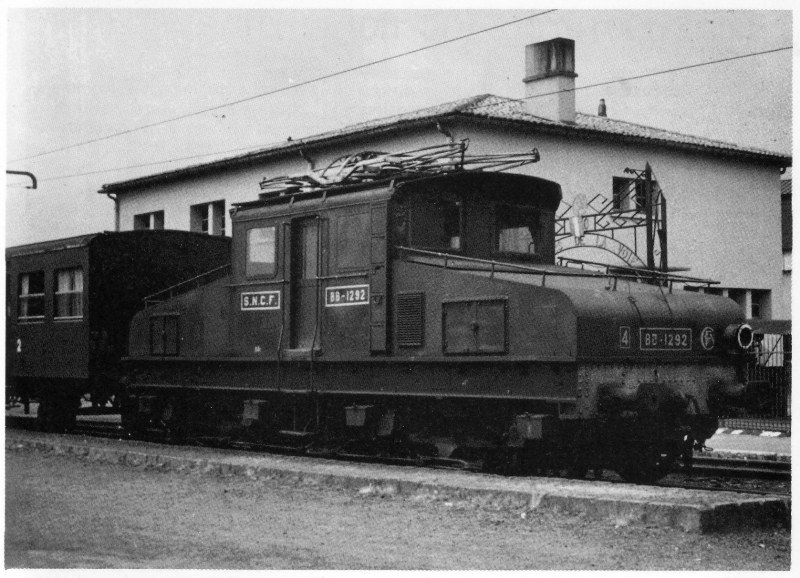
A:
304,284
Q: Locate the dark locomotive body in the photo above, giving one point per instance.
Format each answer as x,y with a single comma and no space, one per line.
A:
70,302
425,318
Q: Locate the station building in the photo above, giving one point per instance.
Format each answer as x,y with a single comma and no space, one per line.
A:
725,202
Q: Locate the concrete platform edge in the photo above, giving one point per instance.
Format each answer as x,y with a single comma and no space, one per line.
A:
620,512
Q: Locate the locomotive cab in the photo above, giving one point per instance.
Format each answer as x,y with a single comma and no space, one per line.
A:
479,215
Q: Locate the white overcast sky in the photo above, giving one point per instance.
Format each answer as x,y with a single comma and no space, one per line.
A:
78,74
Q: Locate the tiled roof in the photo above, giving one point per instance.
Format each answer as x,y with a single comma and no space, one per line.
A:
491,108
497,107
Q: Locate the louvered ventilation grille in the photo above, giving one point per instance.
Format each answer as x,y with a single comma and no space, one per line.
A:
410,319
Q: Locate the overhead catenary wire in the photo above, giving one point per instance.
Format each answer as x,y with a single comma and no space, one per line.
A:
285,88
502,101
646,75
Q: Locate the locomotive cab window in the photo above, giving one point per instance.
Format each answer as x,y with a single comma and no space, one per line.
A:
31,296
261,252
518,230
437,224
68,294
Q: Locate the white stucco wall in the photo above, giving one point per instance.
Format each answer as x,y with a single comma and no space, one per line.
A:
723,216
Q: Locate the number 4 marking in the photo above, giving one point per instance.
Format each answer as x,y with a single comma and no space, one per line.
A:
624,337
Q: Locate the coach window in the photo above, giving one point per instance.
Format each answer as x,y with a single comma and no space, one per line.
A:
260,252
68,294
518,230
31,296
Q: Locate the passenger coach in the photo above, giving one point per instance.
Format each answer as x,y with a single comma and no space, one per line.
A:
69,302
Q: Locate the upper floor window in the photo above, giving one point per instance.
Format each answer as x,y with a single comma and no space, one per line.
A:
518,230
31,295
69,293
261,251
208,218
628,194
154,220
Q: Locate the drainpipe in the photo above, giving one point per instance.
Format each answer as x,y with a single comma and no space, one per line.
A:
113,197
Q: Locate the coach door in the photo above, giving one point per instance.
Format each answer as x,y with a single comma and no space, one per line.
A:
304,284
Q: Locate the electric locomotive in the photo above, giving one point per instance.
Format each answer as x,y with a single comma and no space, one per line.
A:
419,315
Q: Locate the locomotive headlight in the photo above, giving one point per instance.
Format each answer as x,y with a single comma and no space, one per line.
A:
740,334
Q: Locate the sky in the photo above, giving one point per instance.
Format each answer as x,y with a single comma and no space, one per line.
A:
82,74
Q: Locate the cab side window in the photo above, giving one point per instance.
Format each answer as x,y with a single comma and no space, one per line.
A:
261,252
437,224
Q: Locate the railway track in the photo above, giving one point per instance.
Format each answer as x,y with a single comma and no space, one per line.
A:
708,472
742,468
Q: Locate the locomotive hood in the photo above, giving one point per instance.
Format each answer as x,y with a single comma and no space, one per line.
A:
649,320
619,317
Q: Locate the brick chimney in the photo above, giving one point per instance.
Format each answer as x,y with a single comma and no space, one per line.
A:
550,70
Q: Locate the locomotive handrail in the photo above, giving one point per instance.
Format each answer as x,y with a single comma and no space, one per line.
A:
637,274
665,275
173,290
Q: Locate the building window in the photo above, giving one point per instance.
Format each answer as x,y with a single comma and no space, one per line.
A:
31,296
628,194
69,293
208,218
151,221
760,305
260,252
786,223
754,303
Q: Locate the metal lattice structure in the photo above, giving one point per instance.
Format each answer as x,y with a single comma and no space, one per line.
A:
373,166
636,215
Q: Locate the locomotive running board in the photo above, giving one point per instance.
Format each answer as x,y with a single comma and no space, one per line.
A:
430,461
300,354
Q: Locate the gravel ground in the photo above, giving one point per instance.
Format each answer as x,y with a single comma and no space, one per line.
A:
67,513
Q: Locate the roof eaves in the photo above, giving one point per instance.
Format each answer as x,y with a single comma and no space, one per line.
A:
255,156
341,135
